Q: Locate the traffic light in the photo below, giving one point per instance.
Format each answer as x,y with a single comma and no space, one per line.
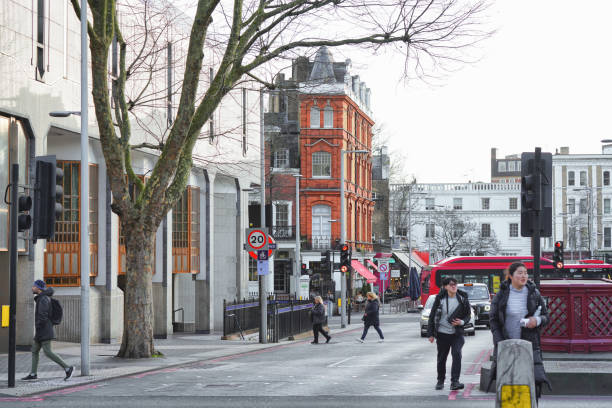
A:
24,221
536,194
345,258
304,271
558,255
48,191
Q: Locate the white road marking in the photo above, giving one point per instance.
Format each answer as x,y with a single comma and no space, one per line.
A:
340,362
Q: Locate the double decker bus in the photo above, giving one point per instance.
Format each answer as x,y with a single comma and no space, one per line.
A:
490,271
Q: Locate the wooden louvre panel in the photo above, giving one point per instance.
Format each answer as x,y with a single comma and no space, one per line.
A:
186,232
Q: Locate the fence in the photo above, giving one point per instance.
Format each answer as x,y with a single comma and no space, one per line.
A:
286,317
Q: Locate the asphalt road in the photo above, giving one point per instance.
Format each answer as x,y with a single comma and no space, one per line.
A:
344,373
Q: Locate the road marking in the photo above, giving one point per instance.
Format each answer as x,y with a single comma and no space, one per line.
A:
453,395
159,388
340,362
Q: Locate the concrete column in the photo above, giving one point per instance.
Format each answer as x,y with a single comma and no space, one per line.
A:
204,288
162,280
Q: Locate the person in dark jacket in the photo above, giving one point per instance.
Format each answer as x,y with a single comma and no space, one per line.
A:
318,319
370,317
518,311
450,312
44,331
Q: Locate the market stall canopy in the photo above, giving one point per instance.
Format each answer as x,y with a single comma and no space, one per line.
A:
373,265
363,271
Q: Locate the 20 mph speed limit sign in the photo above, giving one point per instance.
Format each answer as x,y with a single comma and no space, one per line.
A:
257,239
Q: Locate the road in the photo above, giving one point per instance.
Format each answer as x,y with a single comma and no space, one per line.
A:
344,373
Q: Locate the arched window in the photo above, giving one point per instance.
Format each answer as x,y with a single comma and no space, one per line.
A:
321,226
321,164
315,117
328,116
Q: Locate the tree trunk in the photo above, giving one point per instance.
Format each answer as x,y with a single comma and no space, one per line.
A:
137,339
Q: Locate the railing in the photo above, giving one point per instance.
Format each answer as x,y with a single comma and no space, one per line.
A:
318,242
456,187
282,232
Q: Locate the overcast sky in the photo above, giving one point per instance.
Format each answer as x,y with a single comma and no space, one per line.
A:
543,80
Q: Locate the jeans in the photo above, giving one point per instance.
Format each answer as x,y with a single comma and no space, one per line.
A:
318,328
454,344
46,346
366,327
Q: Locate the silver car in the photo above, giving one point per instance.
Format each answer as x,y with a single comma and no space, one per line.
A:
469,327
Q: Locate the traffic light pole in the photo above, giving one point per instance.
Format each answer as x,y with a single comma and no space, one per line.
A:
263,290
537,218
342,242
13,274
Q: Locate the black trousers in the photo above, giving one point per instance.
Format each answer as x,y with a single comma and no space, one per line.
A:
454,344
366,327
318,328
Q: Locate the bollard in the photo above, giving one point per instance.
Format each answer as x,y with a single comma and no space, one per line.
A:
515,383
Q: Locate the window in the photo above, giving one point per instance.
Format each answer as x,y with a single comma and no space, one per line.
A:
583,178
281,214
518,165
571,180
61,256
606,178
606,206
315,118
485,231
40,40
430,230
457,230
328,117
514,230
321,226
430,203
402,231
252,269
583,206
281,158
186,232
501,166
486,202
512,165
513,203
321,164
584,237
571,206
457,203
607,237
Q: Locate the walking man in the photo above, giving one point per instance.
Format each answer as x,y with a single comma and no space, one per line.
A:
44,331
450,311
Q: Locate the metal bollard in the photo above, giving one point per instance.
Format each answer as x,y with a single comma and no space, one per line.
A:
515,381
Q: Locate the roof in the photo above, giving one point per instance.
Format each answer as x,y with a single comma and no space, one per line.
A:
323,68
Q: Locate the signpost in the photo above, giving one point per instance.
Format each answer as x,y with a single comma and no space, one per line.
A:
383,269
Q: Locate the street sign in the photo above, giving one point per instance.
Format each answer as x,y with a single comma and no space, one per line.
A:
271,245
257,239
271,248
262,255
262,267
389,260
383,267
384,276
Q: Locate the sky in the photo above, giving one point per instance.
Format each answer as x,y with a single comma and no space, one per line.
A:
543,79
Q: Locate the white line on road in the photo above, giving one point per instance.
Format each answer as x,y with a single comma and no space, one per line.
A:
340,362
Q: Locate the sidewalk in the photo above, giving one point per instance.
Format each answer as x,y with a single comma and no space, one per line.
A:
179,349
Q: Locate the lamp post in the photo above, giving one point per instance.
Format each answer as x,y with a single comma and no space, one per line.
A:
298,255
410,227
343,232
426,232
589,191
84,223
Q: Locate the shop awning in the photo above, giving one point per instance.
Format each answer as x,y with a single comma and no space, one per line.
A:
373,265
363,271
404,259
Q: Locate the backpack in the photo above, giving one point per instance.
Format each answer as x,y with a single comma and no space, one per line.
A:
56,312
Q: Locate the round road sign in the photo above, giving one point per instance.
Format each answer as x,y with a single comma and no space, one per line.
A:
271,240
384,268
256,239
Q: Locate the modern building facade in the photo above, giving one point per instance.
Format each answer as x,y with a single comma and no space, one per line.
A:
199,260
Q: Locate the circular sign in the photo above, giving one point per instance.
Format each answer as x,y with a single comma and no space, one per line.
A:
384,268
271,240
256,239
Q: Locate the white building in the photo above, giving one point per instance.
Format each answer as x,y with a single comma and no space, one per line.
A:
199,260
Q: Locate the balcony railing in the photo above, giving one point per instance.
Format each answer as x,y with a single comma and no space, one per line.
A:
318,242
283,232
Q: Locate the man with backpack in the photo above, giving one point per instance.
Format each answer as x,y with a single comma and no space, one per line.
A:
48,313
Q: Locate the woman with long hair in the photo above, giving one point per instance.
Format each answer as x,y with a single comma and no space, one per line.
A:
370,317
318,318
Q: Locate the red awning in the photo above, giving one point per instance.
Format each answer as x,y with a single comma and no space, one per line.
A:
373,265
363,271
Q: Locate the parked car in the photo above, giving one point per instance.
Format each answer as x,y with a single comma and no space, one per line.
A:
469,327
480,300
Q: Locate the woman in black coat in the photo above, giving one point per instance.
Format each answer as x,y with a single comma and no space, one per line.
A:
370,317
318,319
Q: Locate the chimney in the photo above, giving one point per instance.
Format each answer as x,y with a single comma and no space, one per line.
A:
564,150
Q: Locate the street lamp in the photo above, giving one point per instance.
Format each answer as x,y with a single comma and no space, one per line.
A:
589,191
343,232
298,255
410,226
64,114
429,222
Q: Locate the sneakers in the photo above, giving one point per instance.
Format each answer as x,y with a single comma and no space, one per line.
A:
439,385
381,340
456,385
69,371
328,339
360,340
30,377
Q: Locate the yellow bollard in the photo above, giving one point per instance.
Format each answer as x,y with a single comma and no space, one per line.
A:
5,315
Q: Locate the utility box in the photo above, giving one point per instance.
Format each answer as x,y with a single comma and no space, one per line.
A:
515,381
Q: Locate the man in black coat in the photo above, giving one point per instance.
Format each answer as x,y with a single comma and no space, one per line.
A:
450,312
518,311
44,331
318,319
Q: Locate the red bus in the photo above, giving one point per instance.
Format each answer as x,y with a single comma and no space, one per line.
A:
489,270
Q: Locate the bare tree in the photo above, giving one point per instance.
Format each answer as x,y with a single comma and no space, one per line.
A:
245,35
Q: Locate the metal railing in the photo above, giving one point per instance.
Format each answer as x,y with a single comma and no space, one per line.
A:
318,242
283,232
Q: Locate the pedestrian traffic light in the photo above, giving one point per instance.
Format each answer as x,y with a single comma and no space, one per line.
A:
345,258
24,221
536,194
303,269
558,255
48,191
